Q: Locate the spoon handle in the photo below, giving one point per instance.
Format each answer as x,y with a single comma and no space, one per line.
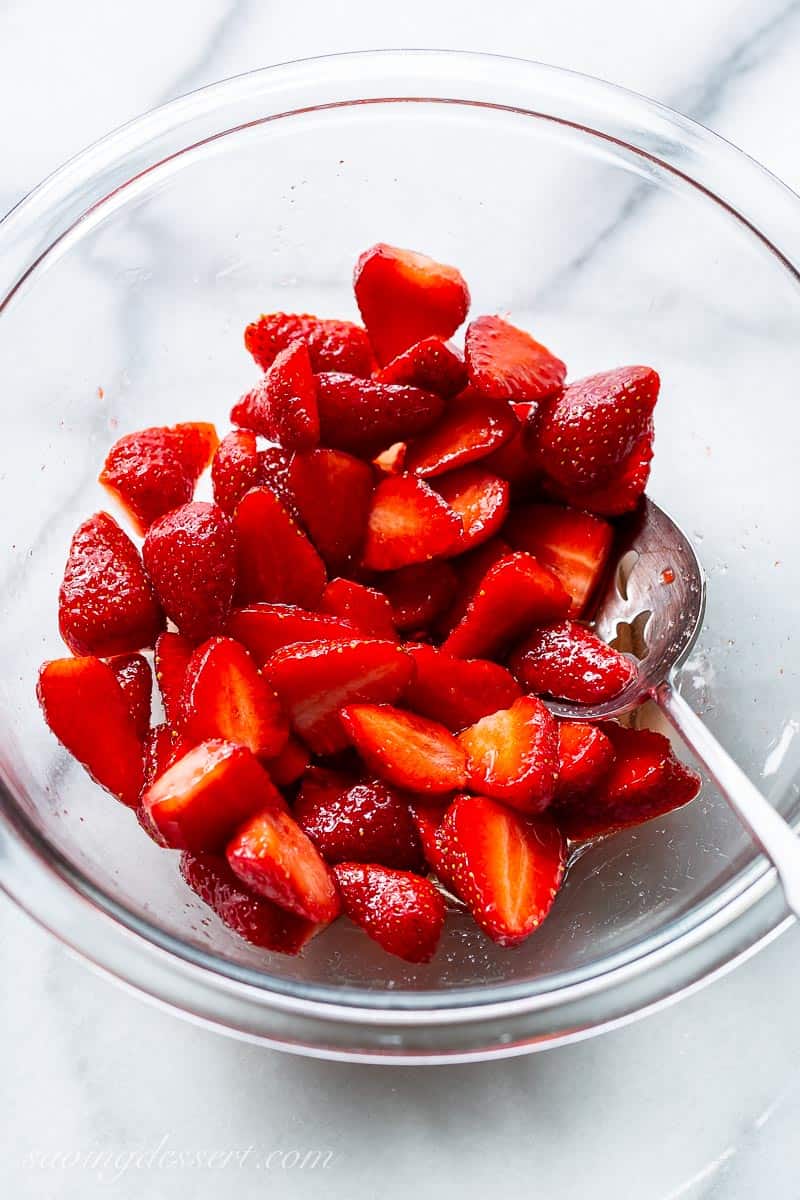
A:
774,835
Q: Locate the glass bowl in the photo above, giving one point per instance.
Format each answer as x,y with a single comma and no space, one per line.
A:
618,232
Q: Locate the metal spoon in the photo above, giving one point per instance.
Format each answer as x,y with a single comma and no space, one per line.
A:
653,605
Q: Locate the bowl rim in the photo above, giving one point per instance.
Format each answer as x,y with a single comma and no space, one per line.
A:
502,1018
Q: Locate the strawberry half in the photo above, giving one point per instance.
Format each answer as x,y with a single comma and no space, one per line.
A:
332,492
264,628
172,656
256,920
471,428
132,673
190,556
419,594
585,755
402,912
427,818
367,611
235,469
470,569
225,696
86,709
507,868
272,855
162,747
623,491
566,660
408,523
457,691
333,345
517,461
431,364
364,821
106,604
505,363
365,416
290,765
277,562
315,679
515,594
155,470
404,297
408,751
512,755
574,545
198,802
479,498
283,405
390,462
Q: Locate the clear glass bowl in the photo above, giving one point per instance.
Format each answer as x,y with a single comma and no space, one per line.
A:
618,232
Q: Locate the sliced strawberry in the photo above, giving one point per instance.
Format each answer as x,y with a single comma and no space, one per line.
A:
506,363
290,765
431,364
419,594
155,470
256,920
592,427
408,523
264,628
333,345
106,604
471,568
190,555
162,747
646,780
225,696
402,912
272,855
171,660
404,297
566,660
274,465
457,691
390,462
86,709
514,595
283,404
359,821
315,679
479,498
198,802
623,491
332,493
585,756
574,545
277,562
408,751
427,817
368,611
517,460
506,867
365,416
512,755
471,428
236,468
132,673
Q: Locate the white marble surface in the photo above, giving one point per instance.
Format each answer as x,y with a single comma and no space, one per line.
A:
699,1101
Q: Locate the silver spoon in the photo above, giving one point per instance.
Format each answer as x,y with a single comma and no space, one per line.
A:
653,605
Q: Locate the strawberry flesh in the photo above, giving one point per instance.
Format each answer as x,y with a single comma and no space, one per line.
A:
402,912
171,657
585,755
431,364
277,562
411,752
190,556
408,523
290,764
505,363
132,673
574,545
283,405
570,662
359,821
457,691
332,492
264,628
366,609
419,594
512,755
479,498
471,428
365,417
333,345
163,746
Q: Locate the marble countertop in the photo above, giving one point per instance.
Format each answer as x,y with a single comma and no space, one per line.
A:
701,1100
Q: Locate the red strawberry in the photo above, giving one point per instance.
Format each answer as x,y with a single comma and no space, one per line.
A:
171,660
198,802
364,821
283,405
264,628
646,780
367,610
258,921
592,427
585,756
277,562
410,752
512,755
274,464
505,363
315,679
471,428
419,594
479,498
622,492
471,568
155,470
568,661
106,604
272,855
365,416
403,913
431,364
427,817
162,747
332,493
457,691
574,545
408,523
333,345
290,765
516,460
236,468
515,594
132,673
190,555
225,696
86,709
506,867
404,297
